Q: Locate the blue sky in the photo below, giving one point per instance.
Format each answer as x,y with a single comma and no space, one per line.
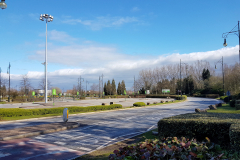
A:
116,38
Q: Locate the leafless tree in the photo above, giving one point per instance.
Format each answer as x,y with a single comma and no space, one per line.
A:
25,84
42,84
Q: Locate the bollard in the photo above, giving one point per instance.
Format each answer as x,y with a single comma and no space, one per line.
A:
65,115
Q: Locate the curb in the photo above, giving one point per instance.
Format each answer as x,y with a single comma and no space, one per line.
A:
39,133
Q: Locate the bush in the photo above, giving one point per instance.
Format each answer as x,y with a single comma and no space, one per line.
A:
222,97
172,148
228,98
232,103
17,112
139,104
183,97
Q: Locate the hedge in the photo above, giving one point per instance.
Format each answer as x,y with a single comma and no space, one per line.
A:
17,112
139,104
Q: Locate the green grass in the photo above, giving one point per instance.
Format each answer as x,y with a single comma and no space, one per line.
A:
225,109
60,114
2,102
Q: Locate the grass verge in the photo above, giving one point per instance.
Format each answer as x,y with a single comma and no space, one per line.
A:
226,108
60,114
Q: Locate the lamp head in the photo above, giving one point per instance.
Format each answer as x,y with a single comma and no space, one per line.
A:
3,5
225,43
215,66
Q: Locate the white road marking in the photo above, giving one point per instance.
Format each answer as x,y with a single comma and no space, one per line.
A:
61,143
85,149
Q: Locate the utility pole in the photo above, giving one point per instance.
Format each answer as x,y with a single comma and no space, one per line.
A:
86,87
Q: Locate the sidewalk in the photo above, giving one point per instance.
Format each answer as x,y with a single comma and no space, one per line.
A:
36,130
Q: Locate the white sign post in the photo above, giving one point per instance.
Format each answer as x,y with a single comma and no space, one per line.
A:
65,115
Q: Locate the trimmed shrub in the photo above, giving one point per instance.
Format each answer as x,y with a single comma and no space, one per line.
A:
232,103
17,112
183,97
139,104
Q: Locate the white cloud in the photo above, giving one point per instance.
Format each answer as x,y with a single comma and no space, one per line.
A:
102,22
93,60
135,9
59,36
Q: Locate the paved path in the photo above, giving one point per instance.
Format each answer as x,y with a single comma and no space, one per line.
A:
96,131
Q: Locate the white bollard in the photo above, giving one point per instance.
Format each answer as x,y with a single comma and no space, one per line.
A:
65,115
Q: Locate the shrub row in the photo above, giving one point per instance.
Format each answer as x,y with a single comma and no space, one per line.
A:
139,104
17,112
183,97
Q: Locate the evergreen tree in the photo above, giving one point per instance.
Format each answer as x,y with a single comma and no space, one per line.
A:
205,74
113,87
105,88
123,87
119,89
109,88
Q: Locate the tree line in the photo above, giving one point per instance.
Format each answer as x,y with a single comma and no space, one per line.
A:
196,78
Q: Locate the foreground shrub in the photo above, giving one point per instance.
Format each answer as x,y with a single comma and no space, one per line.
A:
172,149
139,104
17,112
183,97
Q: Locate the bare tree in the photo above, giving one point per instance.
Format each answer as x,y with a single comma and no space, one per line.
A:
42,84
58,90
25,84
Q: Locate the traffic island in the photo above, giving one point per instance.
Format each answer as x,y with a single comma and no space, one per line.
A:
36,130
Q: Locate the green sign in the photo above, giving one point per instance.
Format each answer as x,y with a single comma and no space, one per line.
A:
33,93
165,90
77,93
133,93
54,92
145,92
138,92
103,93
125,92
60,94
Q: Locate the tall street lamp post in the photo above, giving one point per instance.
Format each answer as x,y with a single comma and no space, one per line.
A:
87,82
8,71
80,79
0,85
181,74
224,35
3,5
221,61
47,18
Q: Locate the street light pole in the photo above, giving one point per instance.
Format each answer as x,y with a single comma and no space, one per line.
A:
3,5
86,87
8,71
224,35
48,18
0,85
81,84
221,61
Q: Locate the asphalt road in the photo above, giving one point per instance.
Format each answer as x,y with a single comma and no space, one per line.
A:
96,131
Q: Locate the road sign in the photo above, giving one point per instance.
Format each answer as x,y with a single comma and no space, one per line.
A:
228,93
165,90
